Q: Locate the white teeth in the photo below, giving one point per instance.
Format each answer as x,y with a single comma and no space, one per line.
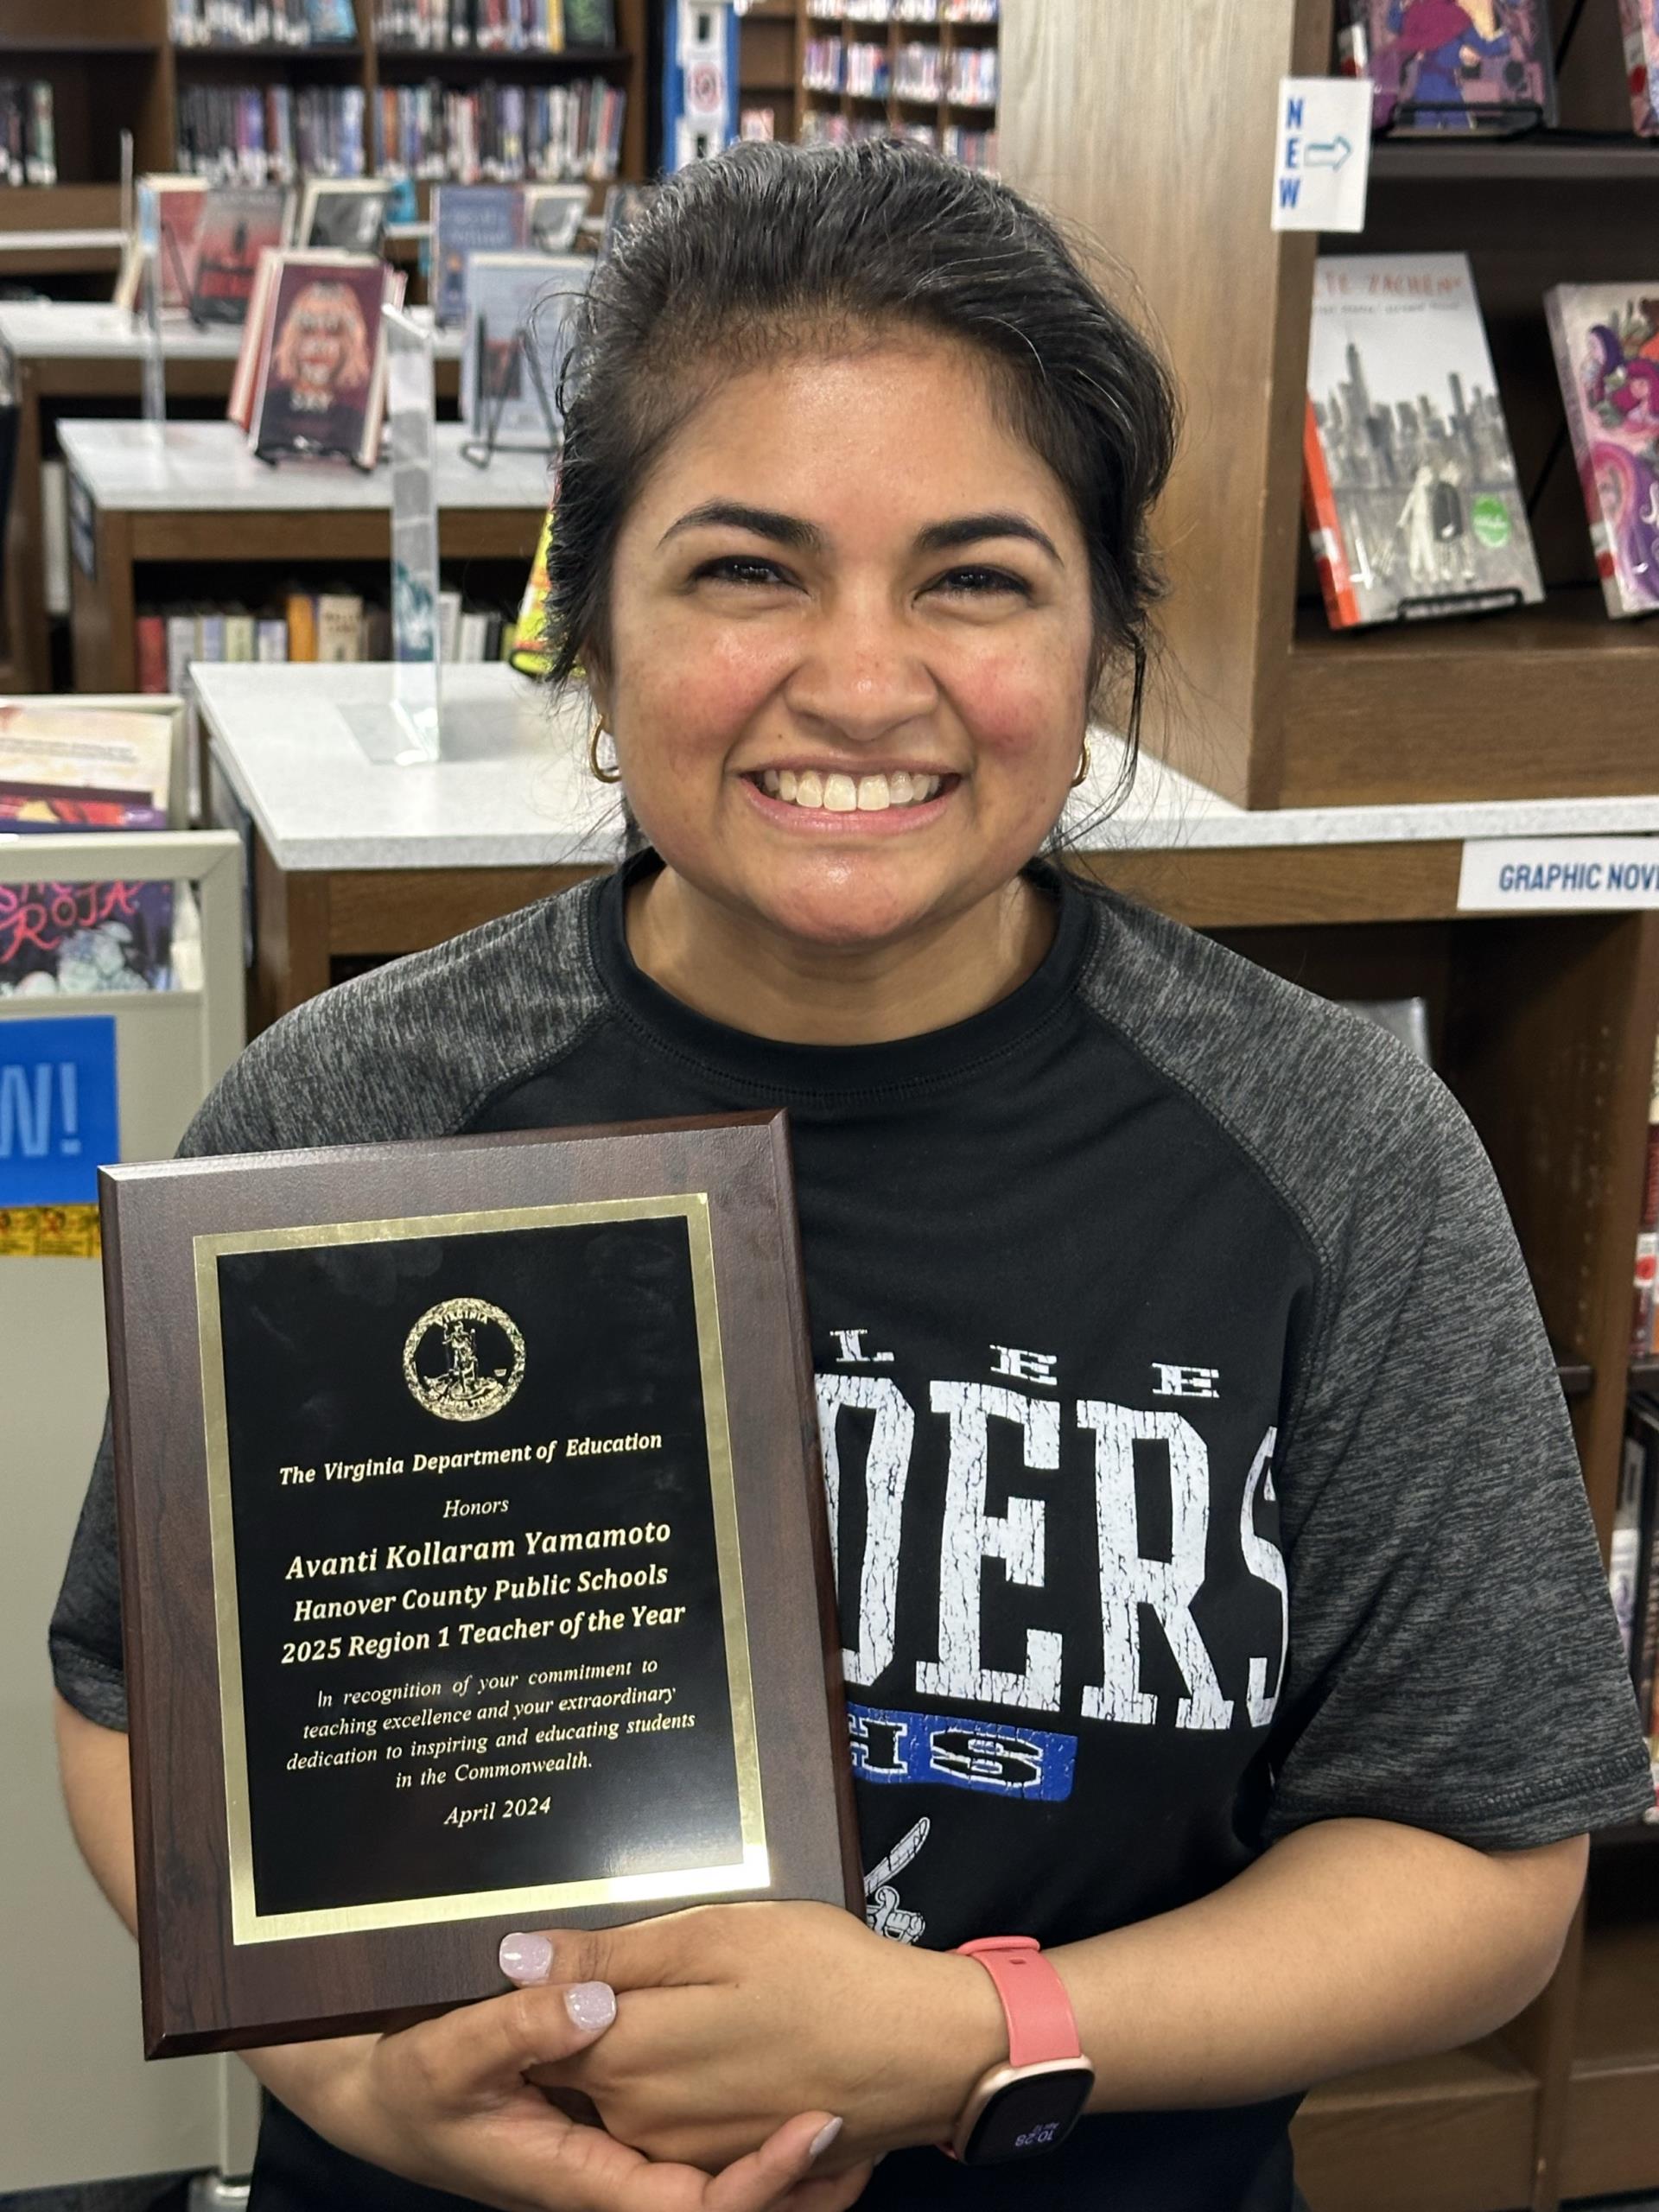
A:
837,793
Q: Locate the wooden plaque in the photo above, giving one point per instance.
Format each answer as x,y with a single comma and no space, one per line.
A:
474,1561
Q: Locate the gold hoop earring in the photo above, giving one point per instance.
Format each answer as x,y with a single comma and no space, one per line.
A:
604,775
1082,776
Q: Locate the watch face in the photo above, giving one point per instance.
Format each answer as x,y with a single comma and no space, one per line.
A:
1029,2116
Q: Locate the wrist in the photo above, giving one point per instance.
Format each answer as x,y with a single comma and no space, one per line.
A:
947,2039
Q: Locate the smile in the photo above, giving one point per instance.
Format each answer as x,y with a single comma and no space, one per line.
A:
836,793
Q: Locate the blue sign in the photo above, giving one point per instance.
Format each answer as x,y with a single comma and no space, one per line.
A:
962,1753
58,1117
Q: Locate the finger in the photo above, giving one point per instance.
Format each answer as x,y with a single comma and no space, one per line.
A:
766,2176
488,2047
642,1955
833,2194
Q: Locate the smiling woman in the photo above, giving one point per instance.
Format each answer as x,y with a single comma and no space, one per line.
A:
1202,1622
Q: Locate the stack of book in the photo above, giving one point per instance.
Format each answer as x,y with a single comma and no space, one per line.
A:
28,140
337,625
498,133
503,26
297,23
250,135
1633,1566
973,77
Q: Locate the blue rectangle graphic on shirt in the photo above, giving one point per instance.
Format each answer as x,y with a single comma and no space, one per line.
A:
59,1118
962,1753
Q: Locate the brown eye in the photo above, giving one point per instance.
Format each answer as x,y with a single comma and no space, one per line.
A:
741,569
980,582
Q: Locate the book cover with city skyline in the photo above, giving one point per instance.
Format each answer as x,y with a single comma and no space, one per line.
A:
1423,493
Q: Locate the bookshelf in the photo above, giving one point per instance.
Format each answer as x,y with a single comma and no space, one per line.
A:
768,63
1161,147
940,62
115,68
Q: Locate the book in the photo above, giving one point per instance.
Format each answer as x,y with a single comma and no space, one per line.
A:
168,213
150,636
589,23
1644,1319
469,219
348,213
239,223
238,635
520,316
27,131
553,216
1457,65
1417,511
238,407
84,768
1639,20
1606,343
301,623
271,639
317,382
340,618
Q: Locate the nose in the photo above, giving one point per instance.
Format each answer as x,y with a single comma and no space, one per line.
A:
862,675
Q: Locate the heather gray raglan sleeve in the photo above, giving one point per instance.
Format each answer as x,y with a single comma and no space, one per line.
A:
1453,1663
85,1637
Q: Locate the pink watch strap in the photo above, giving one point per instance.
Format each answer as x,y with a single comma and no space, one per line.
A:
1041,2024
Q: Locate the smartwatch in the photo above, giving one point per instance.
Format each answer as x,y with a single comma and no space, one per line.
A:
1033,2102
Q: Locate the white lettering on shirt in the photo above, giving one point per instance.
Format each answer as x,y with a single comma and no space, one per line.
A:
853,1352
971,1535
1026,1366
886,1467
1129,1581
1266,1562
1185,1381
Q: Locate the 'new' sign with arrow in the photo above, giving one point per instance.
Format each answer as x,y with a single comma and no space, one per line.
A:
1324,154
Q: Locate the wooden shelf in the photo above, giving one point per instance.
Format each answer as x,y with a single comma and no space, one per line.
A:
1540,157
1451,2133
1555,698
473,57
1644,1374
1612,2142
82,48
324,50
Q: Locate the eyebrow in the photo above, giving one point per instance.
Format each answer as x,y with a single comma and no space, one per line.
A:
806,537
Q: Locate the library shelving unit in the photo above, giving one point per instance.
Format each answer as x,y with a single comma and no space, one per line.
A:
768,62
1160,145
930,28
114,67
1157,145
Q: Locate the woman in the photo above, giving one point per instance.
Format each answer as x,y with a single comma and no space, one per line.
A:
1220,1602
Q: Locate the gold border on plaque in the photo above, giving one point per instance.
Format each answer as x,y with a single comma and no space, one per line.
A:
751,1871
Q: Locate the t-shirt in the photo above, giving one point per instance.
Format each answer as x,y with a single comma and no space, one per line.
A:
1196,1461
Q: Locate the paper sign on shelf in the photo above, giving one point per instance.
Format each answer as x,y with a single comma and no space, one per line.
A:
58,1117
1559,876
1322,153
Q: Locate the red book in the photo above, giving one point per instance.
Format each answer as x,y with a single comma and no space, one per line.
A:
151,639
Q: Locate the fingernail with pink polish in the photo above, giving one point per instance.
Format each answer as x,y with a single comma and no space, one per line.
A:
825,2136
591,2005
526,1958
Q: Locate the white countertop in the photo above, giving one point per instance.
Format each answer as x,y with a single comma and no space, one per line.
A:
320,803
280,736
94,330
206,468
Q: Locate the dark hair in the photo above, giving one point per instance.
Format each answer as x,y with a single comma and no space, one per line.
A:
769,248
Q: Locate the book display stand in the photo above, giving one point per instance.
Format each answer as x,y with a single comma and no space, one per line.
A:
480,451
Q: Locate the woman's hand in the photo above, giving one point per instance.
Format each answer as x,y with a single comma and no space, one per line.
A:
732,2019
446,2103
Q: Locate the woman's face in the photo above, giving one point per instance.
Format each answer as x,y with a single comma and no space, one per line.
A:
850,647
